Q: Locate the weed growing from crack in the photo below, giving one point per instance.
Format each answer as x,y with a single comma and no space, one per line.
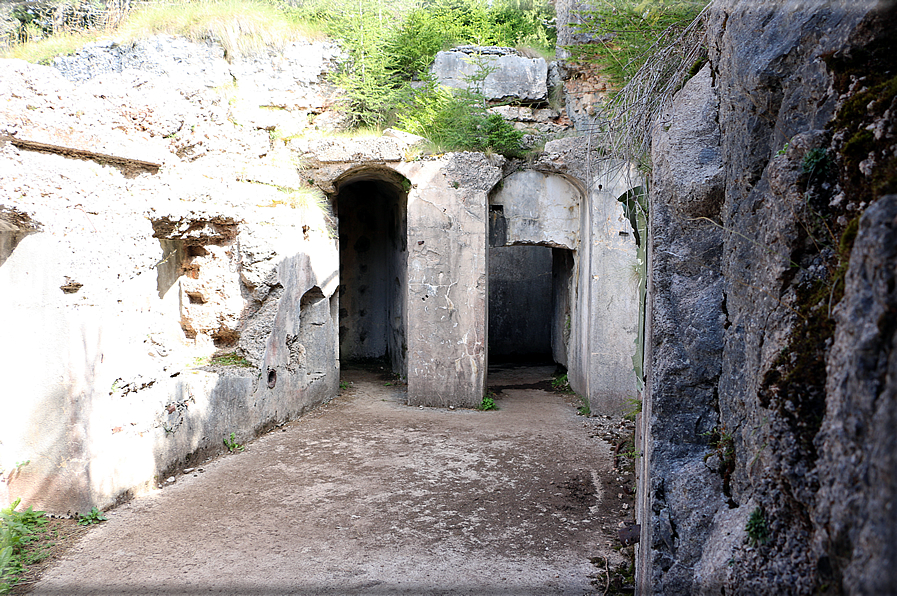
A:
488,403
232,444
722,441
757,528
17,528
635,408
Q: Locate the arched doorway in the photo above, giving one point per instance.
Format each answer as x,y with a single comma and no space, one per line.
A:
371,206
533,234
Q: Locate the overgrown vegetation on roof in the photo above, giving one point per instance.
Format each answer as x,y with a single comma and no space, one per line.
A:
389,48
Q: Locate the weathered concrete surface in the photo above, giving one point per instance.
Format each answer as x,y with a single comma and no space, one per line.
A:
447,291
514,76
539,209
370,496
604,319
121,280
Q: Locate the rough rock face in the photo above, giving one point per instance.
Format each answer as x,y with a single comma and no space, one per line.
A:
767,463
511,76
686,339
855,507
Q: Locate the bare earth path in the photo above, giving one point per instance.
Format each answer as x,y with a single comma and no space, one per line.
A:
369,496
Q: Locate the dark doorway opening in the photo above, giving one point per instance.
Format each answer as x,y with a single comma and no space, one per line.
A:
372,209
529,304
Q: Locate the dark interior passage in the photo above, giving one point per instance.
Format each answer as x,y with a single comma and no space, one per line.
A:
520,303
529,304
373,277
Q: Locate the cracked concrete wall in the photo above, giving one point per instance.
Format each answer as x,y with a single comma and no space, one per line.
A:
447,283
126,263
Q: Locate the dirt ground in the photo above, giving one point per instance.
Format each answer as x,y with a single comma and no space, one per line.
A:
370,496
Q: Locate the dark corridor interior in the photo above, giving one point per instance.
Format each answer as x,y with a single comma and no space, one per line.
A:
373,277
529,304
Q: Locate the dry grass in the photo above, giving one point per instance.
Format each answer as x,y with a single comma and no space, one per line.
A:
624,125
43,50
242,27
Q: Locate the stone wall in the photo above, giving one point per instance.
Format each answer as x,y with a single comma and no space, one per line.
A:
767,466
145,229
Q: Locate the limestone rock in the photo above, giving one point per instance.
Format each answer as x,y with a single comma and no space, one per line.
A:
512,77
857,444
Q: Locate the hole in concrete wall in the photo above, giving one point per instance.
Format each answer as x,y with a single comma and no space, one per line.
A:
272,378
316,330
170,266
196,298
371,207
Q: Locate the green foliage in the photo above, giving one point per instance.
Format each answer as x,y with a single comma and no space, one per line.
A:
231,359
344,384
561,383
635,408
232,444
390,45
488,403
757,528
585,409
816,162
95,516
457,120
16,530
627,30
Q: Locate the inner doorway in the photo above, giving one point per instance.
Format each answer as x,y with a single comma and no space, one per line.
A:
372,211
529,304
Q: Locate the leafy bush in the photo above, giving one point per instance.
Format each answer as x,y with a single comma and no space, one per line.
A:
94,516
16,528
390,46
457,120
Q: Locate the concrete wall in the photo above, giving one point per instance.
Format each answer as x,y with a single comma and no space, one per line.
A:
447,287
104,390
563,285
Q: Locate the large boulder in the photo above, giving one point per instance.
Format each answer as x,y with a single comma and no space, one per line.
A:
510,76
